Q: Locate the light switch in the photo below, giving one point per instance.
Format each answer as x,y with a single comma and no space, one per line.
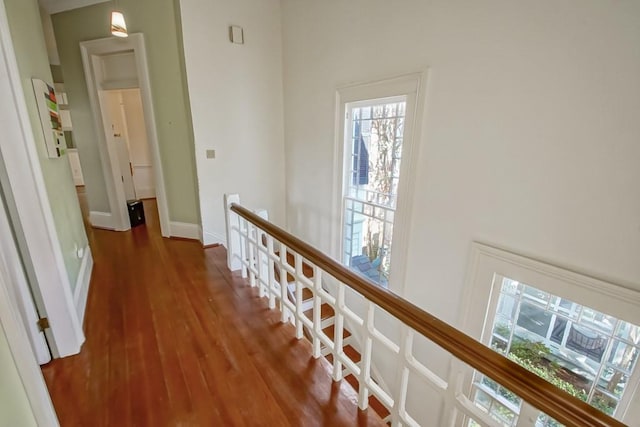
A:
211,154
236,34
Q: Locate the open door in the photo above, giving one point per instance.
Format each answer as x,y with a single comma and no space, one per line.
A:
21,296
126,170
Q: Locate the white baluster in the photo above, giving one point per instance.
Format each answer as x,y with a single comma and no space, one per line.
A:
338,333
271,273
365,364
243,226
317,303
298,296
402,381
283,284
232,220
251,252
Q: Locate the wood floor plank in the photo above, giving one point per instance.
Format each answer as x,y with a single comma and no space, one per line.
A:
175,339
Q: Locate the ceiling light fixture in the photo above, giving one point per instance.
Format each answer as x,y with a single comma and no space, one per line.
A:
118,26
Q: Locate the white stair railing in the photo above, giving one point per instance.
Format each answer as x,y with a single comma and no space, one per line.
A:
259,248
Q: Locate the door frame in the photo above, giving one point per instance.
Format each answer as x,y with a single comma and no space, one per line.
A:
12,266
17,335
108,157
23,181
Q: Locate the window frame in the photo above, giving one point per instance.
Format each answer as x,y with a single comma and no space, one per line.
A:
489,264
413,88
348,164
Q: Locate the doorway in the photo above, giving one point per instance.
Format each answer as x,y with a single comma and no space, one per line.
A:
117,78
126,126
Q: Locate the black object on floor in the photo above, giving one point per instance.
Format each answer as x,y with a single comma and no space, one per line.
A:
136,212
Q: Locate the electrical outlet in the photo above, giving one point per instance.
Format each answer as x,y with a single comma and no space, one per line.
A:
211,154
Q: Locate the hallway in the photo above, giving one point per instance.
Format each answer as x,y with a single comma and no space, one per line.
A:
173,338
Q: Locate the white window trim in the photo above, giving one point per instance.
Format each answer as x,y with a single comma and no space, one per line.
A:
477,319
414,87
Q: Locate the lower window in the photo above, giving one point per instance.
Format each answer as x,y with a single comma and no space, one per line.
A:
589,353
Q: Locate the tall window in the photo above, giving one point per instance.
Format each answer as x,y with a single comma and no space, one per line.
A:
374,130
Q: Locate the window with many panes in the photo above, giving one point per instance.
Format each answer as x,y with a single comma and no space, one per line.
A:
587,353
374,139
578,332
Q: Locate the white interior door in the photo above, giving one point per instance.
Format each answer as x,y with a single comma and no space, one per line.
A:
11,263
138,143
125,166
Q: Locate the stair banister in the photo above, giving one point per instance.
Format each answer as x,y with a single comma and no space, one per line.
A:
532,389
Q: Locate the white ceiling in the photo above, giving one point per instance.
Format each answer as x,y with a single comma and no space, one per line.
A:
56,6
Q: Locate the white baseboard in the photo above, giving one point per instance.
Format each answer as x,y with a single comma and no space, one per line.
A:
145,193
82,283
101,220
211,238
185,230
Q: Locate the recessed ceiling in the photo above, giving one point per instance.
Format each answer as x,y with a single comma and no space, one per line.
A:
57,6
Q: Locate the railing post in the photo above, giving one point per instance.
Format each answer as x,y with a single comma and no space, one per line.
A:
338,333
367,348
283,284
232,220
262,254
402,379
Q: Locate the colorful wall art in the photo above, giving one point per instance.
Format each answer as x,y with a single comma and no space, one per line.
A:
49,118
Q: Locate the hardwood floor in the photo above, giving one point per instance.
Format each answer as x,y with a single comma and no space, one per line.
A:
174,339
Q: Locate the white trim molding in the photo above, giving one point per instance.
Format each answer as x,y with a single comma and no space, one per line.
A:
24,359
81,291
413,87
101,220
214,238
91,51
52,290
57,6
185,230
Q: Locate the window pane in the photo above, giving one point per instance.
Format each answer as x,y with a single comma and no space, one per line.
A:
545,420
536,296
534,318
374,156
613,381
603,402
623,356
483,400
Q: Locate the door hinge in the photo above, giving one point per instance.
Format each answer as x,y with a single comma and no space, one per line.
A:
43,324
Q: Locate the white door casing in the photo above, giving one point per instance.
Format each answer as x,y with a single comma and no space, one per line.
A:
24,181
11,264
91,52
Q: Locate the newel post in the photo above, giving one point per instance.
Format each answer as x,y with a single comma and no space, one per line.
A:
232,221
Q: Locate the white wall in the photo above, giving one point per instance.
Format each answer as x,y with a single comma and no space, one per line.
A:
532,137
14,404
236,103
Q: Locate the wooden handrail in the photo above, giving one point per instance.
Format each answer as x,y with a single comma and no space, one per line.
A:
543,395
